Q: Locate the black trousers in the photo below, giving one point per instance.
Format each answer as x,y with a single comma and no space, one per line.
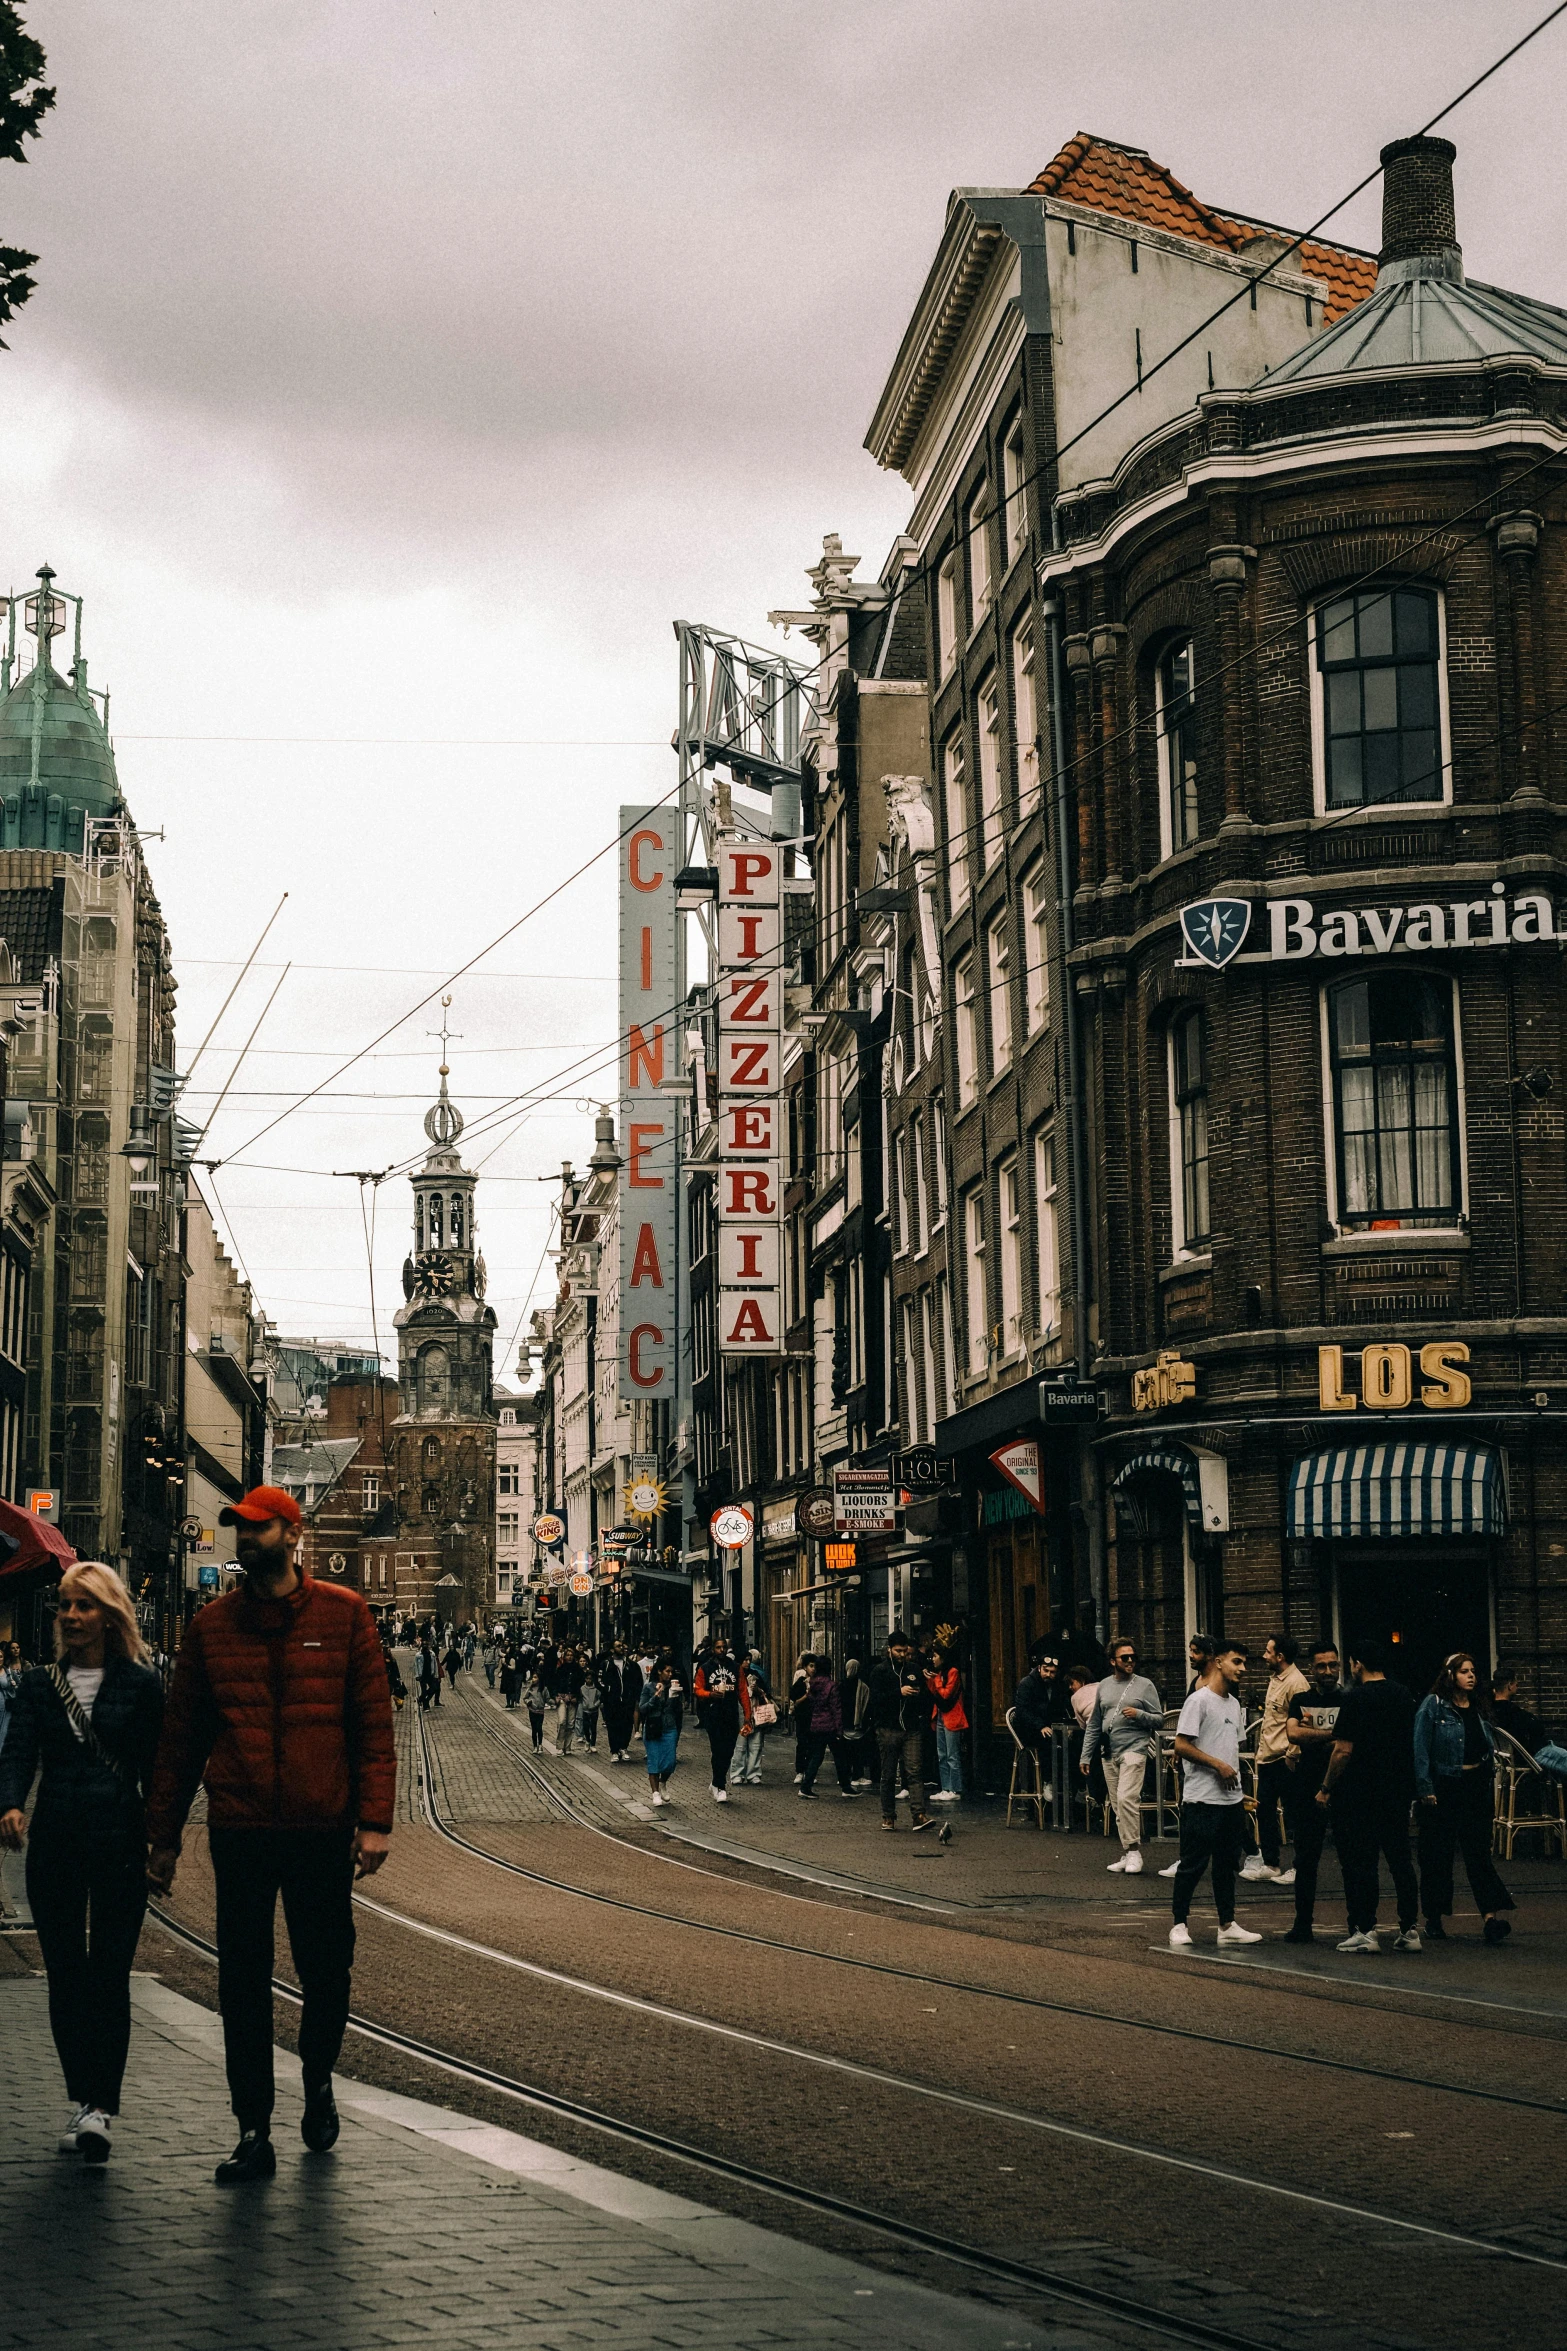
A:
905,1748
617,1727
723,1735
1364,1834
1275,1794
1460,1816
87,1902
1209,1833
313,1870
1311,1834
816,1748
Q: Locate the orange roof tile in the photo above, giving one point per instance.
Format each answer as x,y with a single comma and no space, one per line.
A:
1127,183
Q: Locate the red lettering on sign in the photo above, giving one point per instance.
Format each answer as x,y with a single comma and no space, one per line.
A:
646,1333
750,1192
638,1151
748,1269
647,957
644,1265
750,924
647,1061
749,1064
749,1323
744,866
639,880
750,1126
750,1001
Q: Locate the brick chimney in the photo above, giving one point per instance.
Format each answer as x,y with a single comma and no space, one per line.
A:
1419,233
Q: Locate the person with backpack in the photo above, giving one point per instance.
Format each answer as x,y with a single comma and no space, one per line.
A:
826,1733
90,1722
757,1716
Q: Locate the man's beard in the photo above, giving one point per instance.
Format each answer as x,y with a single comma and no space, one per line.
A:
262,1560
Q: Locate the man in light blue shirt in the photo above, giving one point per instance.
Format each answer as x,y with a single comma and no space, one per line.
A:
1123,1729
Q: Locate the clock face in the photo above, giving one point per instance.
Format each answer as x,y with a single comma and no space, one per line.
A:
434,1274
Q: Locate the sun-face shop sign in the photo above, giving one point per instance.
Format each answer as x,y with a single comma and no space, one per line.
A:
1293,930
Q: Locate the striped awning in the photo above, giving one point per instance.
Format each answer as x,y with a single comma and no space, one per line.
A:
1399,1489
1165,1460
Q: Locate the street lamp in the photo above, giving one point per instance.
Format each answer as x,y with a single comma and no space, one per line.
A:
141,1149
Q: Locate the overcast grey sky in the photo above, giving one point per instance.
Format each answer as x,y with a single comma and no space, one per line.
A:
402,368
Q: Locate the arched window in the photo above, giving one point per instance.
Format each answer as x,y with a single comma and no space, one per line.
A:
432,1452
1395,1100
418,1222
1378,657
1189,1130
1176,714
435,1380
435,1220
457,1240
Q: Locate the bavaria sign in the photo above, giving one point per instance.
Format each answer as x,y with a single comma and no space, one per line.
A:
1216,929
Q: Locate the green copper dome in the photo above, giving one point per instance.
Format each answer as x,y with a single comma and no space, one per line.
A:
56,767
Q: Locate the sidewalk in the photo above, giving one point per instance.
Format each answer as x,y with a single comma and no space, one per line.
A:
424,2227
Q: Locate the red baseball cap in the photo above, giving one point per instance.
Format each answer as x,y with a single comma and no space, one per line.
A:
261,1504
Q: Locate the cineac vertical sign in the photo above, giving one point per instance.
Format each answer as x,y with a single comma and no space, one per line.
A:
649,1116
750,1096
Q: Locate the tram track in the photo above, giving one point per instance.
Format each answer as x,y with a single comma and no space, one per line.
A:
913,1976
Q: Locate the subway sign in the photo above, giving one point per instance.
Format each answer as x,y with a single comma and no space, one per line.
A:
1297,930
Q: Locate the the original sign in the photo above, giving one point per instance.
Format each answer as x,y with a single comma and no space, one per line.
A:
864,1502
1388,1381
1166,1381
1021,1465
649,1112
1214,930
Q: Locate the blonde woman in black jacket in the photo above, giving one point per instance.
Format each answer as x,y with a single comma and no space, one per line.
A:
91,1722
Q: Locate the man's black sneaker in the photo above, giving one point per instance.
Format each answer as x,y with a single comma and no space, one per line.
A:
1298,1935
1435,1931
1495,1930
320,2126
252,2159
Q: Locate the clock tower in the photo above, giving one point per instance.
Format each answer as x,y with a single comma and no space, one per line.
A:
444,1435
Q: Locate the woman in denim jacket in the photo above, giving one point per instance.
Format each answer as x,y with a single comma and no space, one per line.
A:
1454,1770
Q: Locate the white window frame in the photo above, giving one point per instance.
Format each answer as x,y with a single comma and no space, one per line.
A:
975,1295
1046,1198
976,532
900,1195
998,969
1011,1224
371,1495
913,1419
1167,841
927,1319
965,1031
954,780
1421,1233
1181,1247
991,827
947,613
1014,480
1034,897
1025,706
939,1155
948,1355
1378,811
919,1199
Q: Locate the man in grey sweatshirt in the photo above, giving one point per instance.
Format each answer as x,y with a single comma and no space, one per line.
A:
1124,1728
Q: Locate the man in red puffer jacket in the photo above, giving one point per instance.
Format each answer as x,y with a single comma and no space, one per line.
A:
280,1704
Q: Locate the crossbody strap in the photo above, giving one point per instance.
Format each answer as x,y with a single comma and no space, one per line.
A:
82,1724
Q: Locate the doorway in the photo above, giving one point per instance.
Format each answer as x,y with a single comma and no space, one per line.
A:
1423,1598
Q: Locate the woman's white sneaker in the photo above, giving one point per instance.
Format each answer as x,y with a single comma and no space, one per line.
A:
92,2135
1236,1933
1180,1937
74,2121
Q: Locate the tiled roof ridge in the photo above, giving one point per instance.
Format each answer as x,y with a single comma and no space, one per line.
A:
1164,202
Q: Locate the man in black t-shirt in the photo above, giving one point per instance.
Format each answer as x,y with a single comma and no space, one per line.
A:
1516,1719
1309,1728
1370,1784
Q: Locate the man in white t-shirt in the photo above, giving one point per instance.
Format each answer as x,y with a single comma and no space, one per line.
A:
1208,1742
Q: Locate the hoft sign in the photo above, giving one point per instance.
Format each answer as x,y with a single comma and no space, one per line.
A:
649,1117
1216,929
750,1088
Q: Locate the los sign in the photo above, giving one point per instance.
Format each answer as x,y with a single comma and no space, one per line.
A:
1387,1378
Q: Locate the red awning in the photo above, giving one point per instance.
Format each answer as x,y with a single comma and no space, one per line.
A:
29,1541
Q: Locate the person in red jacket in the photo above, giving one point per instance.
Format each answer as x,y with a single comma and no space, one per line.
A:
279,1703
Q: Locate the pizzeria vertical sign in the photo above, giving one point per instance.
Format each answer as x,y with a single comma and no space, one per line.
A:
649,1105
750,1084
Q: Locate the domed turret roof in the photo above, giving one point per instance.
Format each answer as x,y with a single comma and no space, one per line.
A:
56,766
